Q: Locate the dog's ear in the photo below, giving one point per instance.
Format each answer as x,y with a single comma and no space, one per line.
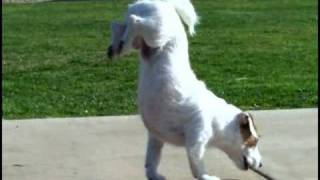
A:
252,120
243,119
247,129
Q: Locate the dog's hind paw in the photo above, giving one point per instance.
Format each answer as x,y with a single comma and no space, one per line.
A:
110,52
207,177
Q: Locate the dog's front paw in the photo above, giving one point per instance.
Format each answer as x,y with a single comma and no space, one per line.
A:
110,53
156,177
159,177
207,177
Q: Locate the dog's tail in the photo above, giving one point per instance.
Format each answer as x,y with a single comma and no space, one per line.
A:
186,12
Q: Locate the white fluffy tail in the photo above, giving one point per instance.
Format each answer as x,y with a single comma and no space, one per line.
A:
186,12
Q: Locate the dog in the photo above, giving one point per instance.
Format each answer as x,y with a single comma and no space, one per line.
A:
175,106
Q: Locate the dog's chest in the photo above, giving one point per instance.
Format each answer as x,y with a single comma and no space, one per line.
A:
159,99
161,116
158,94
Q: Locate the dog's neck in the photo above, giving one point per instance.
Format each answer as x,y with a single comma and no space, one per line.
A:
223,136
176,48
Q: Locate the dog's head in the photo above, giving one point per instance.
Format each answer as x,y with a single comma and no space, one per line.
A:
241,142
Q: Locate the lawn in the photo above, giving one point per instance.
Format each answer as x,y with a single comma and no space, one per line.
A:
255,54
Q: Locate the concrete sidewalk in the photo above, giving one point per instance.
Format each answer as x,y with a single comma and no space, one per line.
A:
112,148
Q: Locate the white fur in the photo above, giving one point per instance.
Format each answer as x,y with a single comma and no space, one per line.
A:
175,106
186,12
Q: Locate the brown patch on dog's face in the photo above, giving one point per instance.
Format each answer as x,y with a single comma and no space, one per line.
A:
248,130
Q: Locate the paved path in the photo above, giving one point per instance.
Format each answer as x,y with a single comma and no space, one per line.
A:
112,148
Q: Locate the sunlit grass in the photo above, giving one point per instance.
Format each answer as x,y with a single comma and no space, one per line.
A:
255,54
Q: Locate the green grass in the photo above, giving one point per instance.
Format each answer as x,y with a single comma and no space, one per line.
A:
256,54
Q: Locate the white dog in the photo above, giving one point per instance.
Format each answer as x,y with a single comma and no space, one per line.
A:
175,106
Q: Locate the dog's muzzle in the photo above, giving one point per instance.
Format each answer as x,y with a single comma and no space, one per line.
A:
245,163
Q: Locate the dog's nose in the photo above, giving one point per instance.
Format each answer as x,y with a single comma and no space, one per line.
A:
260,165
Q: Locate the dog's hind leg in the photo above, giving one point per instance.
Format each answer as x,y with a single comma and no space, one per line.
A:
153,157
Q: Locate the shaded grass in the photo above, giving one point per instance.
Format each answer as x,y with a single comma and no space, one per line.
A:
255,54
